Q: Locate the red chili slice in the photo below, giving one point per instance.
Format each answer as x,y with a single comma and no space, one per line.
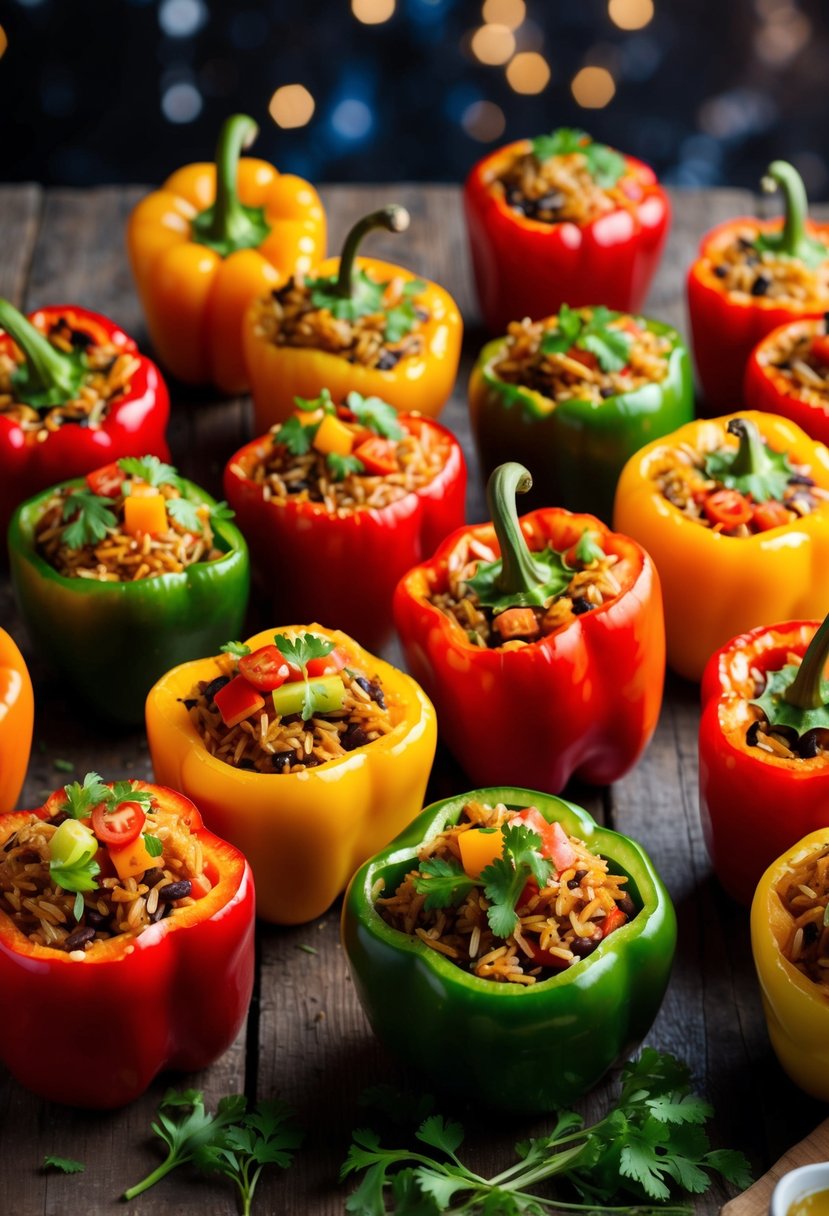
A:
729,508
118,827
265,669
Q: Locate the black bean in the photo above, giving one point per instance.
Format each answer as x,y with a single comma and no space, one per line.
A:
94,918
172,891
582,946
10,843
721,271
575,881
607,392
810,933
79,938
580,605
388,360
550,202
215,686
298,487
745,243
784,365
801,479
422,314
373,689
760,285
188,702
246,764
283,760
354,736
81,341
752,733
627,905
809,744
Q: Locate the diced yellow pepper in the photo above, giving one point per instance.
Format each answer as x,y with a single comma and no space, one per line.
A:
145,513
334,436
132,859
479,848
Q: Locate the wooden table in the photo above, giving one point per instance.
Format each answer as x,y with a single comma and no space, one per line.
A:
306,1040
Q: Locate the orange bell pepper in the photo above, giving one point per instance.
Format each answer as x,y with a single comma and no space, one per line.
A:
17,711
717,586
211,240
420,382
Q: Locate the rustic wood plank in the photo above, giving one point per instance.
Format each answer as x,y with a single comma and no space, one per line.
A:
755,1201
19,221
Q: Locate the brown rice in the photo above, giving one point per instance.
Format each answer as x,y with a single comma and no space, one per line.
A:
804,893
559,188
749,272
797,370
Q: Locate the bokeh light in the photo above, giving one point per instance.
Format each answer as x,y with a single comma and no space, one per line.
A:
528,72
630,14
291,106
593,88
510,13
484,121
4,42
352,119
181,102
181,18
372,12
493,44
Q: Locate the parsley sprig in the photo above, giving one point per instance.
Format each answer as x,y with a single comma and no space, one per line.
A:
650,1145
610,345
604,164
366,300
81,798
300,651
66,1165
183,510
150,470
372,413
92,517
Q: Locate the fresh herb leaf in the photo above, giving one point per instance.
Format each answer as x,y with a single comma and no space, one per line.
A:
187,514
237,649
484,583
264,1136
296,435
63,766
153,845
125,791
401,318
310,404
559,340
82,798
604,164
444,883
66,1165
375,414
365,300
562,142
597,335
302,649
91,516
221,511
505,878
80,876
341,466
588,549
150,470
78,906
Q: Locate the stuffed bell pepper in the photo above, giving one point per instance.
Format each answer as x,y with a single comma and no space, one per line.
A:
750,277
303,749
763,749
734,512
122,575
509,948
211,240
126,941
74,393
17,711
562,219
540,640
790,943
356,324
788,374
575,395
364,490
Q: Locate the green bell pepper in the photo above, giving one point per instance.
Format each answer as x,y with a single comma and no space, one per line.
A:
576,449
510,1047
112,641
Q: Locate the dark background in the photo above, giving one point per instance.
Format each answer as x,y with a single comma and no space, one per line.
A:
708,91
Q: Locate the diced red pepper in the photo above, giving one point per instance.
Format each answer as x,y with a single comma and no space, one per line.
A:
729,508
517,623
106,481
379,455
585,357
237,701
771,514
614,920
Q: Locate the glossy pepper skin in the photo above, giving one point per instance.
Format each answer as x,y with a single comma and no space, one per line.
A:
726,326
111,641
303,833
797,1015
587,696
578,449
175,996
135,423
358,556
421,382
505,1046
17,710
768,389
754,805
525,268
196,278
717,586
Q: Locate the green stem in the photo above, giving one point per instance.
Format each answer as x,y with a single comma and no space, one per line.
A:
519,570
806,691
393,218
783,175
752,455
49,377
161,1172
228,224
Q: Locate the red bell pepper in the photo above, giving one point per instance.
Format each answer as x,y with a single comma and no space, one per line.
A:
581,701
526,268
133,425
94,1032
769,388
754,804
341,568
726,325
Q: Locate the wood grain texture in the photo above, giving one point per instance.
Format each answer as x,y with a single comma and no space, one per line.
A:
307,1039
755,1201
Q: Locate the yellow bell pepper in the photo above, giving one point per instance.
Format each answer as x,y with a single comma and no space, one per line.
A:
797,1011
17,711
716,586
211,240
304,834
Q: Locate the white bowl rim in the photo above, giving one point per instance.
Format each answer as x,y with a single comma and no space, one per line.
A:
797,1184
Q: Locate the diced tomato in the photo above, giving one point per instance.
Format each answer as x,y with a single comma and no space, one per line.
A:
585,357
237,701
379,455
820,348
329,665
771,514
200,885
265,669
729,508
517,623
614,920
118,827
106,481
554,842
543,958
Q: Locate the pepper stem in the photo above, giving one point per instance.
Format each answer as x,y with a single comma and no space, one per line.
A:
393,218
793,240
519,570
228,224
752,454
805,690
48,377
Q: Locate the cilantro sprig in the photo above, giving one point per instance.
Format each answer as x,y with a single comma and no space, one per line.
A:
81,798
595,334
604,164
753,467
300,651
150,470
66,1165
341,467
91,515
650,1147
445,883
505,878
237,649
375,414
366,300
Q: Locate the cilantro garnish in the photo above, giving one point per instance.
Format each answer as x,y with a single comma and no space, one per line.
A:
66,1165
588,550
81,798
221,511
652,1140
92,516
753,468
296,435
444,883
153,845
505,878
604,164
366,300
185,513
340,466
125,791
300,651
237,649
401,318
150,470
375,414
610,345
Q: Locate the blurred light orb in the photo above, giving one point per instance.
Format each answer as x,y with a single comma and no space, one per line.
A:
4,42
510,13
737,114
528,72
373,12
352,118
593,88
291,106
493,44
484,121
630,14
181,102
181,18
782,37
